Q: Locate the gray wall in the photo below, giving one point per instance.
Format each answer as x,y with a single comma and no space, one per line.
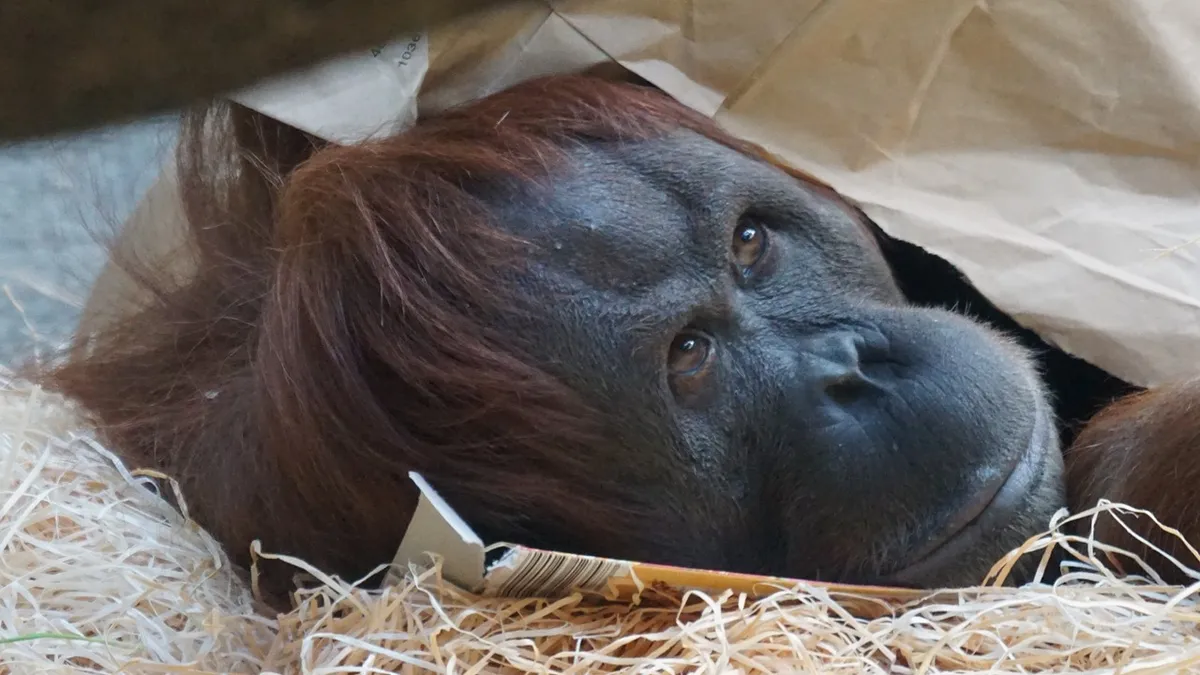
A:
57,197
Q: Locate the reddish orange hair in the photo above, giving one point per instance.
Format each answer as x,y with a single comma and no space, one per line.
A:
336,332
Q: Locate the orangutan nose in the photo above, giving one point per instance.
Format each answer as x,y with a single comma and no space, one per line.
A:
836,363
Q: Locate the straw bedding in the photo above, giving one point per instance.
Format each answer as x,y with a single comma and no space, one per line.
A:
99,574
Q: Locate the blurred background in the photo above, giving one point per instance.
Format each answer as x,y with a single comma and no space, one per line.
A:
59,199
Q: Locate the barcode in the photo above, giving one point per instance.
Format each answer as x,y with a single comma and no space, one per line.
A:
546,573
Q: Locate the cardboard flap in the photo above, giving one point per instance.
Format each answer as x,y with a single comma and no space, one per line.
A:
437,528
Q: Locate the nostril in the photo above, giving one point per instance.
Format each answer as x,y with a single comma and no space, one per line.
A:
846,388
835,367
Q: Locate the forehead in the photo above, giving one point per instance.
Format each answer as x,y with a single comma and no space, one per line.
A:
621,217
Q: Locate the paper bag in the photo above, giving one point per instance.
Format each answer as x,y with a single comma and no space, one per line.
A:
1049,149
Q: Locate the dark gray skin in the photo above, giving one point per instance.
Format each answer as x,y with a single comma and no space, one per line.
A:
792,413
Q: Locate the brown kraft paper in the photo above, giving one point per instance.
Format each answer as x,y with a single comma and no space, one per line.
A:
1050,150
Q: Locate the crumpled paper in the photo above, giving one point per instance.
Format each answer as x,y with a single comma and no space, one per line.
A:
1050,150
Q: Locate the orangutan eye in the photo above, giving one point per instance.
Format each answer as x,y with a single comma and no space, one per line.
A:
749,244
689,354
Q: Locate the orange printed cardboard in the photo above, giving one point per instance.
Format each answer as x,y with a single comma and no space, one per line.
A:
513,570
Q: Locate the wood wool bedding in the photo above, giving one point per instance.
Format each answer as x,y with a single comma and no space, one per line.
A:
101,575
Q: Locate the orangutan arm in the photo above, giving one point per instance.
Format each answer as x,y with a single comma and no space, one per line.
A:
1143,451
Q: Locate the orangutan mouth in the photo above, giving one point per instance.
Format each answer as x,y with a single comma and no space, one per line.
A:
985,516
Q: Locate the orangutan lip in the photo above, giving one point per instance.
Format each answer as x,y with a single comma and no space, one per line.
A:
986,514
